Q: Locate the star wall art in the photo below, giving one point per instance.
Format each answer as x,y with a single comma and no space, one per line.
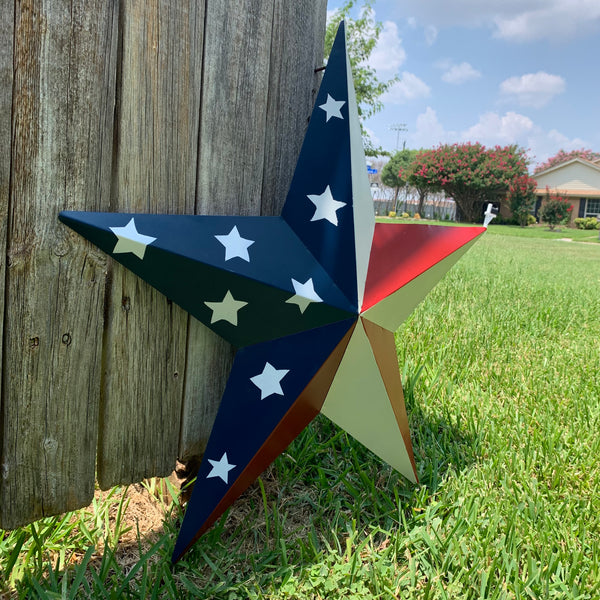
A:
310,299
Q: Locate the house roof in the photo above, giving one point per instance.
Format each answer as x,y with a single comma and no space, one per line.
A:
576,177
593,165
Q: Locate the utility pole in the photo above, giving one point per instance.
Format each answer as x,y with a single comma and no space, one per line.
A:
398,127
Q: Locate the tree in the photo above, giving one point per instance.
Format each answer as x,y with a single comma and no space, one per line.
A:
561,156
362,35
470,173
555,209
395,172
521,198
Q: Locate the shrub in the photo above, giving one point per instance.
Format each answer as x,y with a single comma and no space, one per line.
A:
587,223
555,210
531,220
417,216
392,214
405,215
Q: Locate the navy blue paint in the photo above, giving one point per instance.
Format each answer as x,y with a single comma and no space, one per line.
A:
244,421
325,160
187,264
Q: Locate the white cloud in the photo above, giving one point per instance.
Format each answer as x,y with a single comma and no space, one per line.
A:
533,89
457,74
374,139
410,87
429,132
431,33
388,55
563,18
492,129
514,20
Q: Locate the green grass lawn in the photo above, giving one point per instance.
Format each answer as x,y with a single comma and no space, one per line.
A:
535,231
501,372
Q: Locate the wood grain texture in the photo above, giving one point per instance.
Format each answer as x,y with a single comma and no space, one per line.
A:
60,152
146,106
258,90
154,171
296,51
231,146
7,19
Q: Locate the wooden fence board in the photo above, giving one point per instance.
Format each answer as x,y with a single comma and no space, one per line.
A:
234,104
60,151
282,113
293,86
143,106
7,18
154,171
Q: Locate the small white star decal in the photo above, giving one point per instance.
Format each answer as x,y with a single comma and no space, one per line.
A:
235,245
226,310
332,108
269,381
305,294
220,468
326,207
130,240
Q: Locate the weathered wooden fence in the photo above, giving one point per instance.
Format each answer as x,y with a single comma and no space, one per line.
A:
163,106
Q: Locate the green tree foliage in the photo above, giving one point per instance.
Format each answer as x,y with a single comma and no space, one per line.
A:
362,34
395,172
470,173
561,156
555,209
521,198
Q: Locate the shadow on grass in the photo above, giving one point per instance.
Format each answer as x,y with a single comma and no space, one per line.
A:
325,493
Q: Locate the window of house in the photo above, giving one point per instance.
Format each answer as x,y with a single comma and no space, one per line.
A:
592,208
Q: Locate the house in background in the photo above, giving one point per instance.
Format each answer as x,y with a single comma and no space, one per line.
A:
578,180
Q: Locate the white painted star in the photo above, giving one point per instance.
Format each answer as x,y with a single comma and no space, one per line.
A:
332,108
235,245
326,206
130,240
305,294
220,468
269,381
226,310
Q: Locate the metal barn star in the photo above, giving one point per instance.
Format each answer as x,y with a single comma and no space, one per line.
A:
310,299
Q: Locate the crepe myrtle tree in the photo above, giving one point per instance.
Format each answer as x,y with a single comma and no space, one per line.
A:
470,173
521,198
561,156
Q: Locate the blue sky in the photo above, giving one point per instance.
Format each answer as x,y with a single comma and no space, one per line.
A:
493,71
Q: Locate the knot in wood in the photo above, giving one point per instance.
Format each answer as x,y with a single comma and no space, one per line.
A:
50,445
66,339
